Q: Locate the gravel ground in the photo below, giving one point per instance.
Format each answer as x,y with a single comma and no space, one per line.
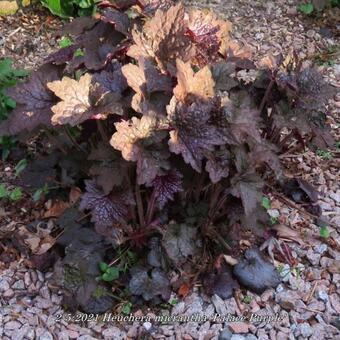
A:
307,301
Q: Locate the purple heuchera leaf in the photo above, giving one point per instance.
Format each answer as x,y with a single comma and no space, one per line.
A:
34,101
120,20
100,44
77,26
192,134
218,165
105,209
62,56
111,79
149,286
166,186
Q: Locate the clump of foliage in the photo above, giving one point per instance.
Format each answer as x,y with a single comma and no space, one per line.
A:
8,77
177,145
70,8
313,6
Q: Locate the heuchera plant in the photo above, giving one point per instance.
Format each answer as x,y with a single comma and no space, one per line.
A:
181,142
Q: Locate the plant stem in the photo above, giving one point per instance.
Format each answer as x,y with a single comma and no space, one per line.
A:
140,207
102,131
266,94
72,139
151,208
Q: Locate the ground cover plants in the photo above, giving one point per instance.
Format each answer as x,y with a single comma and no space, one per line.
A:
172,148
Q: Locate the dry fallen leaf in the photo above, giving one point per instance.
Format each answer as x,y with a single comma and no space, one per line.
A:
57,208
287,233
230,260
75,194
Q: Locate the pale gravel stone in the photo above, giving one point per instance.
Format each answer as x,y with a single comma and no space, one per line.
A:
18,285
219,305
45,336
8,293
178,308
114,333
321,248
12,325
27,279
4,285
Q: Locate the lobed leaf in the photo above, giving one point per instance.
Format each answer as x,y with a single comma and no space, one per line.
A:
105,209
34,101
192,133
139,141
210,35
163,38
200,85
81,100
166,186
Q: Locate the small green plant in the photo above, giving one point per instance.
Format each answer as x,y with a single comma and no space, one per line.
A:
70,8
109,273
324,154
78,53
317,6
13,195
6,144
40,192
173,302
274,220
8,77
306,8
266,203
65,42
20,167
247,299
126,308
324,232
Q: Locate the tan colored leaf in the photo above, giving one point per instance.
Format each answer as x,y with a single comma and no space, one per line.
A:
163,38
57,208
146,78
209,30
75,104
200,84
230,260
285,232
75,194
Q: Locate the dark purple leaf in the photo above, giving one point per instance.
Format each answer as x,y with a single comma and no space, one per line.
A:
78,26
62,56
220,282
166,186
192,134
111,79
34,101
218,165
120,20
180,242
146,78
100,45
105,209
118,4
149,285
